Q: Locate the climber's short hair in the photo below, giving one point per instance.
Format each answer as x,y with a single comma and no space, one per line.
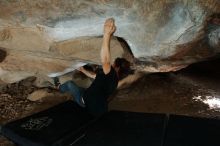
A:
124,67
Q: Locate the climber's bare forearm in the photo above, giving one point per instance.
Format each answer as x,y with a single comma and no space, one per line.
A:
105,53
109,29
88,73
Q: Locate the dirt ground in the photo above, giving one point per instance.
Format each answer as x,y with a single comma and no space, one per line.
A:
182,93
168,93
15,105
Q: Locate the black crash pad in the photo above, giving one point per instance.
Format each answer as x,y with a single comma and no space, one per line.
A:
56,126
68,124
189,131
125,129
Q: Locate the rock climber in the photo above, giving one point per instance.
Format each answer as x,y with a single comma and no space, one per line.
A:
95,98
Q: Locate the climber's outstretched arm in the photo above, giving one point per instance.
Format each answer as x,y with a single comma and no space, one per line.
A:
87,73
109,29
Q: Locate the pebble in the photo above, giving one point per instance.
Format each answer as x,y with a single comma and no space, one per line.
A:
13,100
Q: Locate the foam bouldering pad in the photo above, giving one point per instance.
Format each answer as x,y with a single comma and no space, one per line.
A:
57,126
118,128
191,131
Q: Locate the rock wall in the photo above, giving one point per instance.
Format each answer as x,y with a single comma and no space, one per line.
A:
49,36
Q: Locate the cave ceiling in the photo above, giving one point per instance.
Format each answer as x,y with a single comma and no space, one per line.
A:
41,37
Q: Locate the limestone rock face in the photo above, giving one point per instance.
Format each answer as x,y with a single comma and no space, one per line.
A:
49,36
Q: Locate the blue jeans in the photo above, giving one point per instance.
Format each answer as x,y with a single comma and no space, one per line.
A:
74,90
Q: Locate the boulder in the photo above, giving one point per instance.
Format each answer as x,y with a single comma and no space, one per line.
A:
38,95
47,37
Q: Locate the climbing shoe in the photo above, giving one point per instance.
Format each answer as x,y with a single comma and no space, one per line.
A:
56,81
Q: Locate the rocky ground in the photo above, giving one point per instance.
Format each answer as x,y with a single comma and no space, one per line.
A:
193,91
168,93
14,102
185,92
